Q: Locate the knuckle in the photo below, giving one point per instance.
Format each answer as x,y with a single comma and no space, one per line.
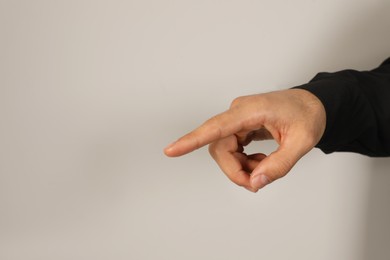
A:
194,137
216,150
240,181
282,167
213,127
211,122
236,179
236,102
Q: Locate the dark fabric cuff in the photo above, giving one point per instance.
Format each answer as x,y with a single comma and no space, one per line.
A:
344,109
357,110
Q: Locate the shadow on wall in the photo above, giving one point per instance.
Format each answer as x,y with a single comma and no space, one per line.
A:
377,225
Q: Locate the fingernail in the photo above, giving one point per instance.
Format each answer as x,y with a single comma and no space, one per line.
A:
169,146
259,181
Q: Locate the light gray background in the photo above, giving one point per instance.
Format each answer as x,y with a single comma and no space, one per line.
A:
91,92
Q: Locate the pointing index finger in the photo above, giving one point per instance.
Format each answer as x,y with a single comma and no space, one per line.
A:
217,127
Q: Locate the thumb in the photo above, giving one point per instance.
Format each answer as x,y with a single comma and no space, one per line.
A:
273,167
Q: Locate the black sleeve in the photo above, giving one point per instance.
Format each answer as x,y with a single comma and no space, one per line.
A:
357,105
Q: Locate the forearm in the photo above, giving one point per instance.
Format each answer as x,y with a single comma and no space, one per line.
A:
357,106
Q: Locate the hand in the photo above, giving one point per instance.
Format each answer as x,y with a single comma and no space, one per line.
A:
295,118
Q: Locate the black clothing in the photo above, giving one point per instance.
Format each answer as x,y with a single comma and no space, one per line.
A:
357,106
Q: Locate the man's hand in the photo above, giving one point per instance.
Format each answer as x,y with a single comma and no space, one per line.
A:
295,118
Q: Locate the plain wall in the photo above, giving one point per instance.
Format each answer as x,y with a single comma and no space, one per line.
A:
91,92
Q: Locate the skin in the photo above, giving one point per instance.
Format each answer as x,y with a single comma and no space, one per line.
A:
294,118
